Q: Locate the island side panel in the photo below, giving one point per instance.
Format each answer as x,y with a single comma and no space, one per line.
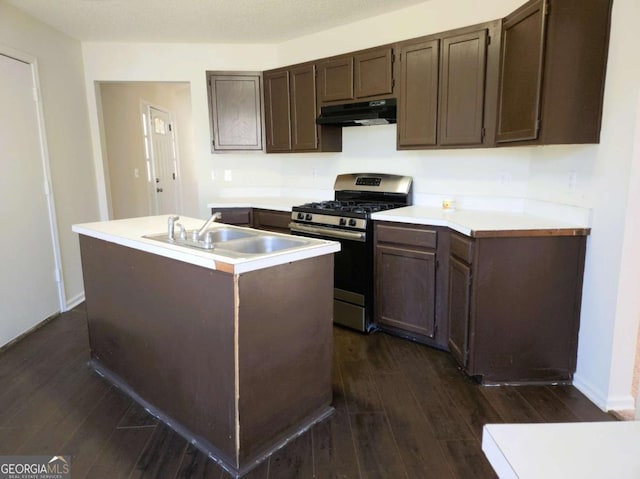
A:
167,329
285,347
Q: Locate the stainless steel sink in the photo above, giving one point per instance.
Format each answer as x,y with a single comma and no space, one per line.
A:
262,244
233,242
227,234
210,238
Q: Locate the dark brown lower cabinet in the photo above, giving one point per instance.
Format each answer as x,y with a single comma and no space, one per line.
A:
262,219
405,282
459,299
514,306
234,216
271,220
406,298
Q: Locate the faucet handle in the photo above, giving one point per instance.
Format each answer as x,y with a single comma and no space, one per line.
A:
171,220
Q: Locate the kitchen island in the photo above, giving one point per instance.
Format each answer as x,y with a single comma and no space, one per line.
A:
233,352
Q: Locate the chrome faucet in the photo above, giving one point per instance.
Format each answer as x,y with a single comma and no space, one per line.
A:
171,221
200,233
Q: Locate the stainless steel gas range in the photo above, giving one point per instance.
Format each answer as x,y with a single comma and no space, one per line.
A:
347,219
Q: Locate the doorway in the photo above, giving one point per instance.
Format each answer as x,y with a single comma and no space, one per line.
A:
127,148
31,288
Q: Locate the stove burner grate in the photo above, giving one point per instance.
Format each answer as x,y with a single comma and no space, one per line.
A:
349,206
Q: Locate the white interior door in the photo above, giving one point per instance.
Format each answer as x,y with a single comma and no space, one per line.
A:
29,291
165,162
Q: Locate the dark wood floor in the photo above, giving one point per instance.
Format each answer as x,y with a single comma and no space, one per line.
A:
402,411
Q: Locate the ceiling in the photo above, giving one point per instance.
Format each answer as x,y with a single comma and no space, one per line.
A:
210,21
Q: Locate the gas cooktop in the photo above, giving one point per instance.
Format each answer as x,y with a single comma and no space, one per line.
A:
339,207
357,196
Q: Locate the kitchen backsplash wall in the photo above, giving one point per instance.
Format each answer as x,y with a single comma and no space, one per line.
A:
560,174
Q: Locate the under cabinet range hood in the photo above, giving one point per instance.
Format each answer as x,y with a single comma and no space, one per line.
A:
377,112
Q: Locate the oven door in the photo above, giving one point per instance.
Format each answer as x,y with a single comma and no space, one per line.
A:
352,273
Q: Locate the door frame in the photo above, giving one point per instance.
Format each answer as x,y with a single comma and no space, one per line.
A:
150,158
45,163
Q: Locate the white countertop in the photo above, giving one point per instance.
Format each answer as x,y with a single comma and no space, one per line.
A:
479,223
597,450
470,222
130,232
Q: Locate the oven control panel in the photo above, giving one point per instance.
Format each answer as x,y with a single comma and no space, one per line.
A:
331,220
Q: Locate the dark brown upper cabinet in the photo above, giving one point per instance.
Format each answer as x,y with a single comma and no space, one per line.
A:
235,111
291,108
277,111
521,74
359,76
336,79
552,77
304,132
463,88
448,88
418,101
373,73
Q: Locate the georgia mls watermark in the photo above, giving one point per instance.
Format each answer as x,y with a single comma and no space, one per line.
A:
35,467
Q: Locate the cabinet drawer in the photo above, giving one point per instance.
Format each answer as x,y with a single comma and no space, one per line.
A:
462,248
234,216
423,238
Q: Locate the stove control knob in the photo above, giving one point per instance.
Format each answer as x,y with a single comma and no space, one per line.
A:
352,222
308,217
300,216
343,221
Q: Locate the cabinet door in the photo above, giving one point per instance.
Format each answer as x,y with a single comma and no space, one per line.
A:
418,109
459,299
405,287
235,109
336,79
523,36
277,111
271,220
304,131
463,89
373,73
234,216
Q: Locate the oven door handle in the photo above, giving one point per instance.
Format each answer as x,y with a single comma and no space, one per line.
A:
328,232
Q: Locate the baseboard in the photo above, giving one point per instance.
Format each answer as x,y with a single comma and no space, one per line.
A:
75,301
621,403
32,329
604,402
594,394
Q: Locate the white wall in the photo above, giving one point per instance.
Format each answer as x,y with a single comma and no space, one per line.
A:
423,19
64,103
609,310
